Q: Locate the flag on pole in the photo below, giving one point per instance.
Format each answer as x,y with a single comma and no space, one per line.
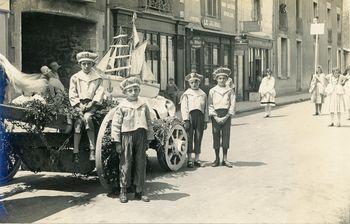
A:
134,31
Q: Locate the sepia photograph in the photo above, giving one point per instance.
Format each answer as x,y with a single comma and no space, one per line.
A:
175,111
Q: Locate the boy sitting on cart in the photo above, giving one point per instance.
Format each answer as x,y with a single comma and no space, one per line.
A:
85,93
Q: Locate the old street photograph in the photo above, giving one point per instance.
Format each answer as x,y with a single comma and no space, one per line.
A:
175,111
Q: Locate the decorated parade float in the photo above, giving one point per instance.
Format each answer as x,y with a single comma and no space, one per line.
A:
39,133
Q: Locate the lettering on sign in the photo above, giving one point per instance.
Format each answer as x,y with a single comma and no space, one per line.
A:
211,24
260,44
196,42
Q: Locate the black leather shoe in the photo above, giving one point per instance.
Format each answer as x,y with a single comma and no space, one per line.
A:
227,164
190,164
123,198
197,164
140,197
215,163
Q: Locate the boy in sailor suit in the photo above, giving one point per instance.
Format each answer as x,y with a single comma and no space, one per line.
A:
85,93
132,130
221,103
195,115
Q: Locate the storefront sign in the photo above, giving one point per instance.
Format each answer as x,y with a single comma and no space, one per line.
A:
260,43
196,42
238,52
241,47
210,23
250,26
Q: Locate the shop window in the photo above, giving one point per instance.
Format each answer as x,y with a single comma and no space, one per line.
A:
226,55
212,8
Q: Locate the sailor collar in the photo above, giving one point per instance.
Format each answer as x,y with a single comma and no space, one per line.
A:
192,92
131,104
221,90
88,78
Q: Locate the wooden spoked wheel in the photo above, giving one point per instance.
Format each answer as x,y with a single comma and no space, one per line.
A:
9,160
107,159
172,154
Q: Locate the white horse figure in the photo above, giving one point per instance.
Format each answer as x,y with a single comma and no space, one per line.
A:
18,82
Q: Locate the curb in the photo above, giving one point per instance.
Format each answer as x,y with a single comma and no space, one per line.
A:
255,108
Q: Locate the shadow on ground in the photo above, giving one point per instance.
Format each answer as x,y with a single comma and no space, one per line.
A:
69,191
242,163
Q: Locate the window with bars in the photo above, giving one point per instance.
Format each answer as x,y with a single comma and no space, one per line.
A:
160,5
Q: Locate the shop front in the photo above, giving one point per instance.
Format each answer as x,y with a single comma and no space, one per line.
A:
165,52
251,61
207,50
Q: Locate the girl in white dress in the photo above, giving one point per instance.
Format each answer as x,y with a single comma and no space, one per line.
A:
335,103
267,92
347,89
317,89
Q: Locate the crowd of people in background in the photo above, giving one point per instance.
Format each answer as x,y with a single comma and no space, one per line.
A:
331,93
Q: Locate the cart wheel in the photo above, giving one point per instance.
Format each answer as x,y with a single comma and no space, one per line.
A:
172,154
107,160
9,161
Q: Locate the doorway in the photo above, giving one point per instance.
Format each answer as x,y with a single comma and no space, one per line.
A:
47,38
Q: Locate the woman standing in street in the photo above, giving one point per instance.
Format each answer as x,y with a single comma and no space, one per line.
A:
347,89
335,103
267,92
317,89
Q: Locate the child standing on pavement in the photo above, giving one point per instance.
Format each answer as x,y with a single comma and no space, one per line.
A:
267,92
221,103
194,113
131,131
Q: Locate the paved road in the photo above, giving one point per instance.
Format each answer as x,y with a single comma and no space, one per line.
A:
290,168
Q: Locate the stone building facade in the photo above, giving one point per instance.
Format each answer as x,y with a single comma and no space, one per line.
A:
295,47
161,23
4,15
43,31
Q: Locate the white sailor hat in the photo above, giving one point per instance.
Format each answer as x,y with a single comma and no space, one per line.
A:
130,82
221,71
86,56
193,76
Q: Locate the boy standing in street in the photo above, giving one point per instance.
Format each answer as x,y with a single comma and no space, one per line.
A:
132,131
221,103
194,114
